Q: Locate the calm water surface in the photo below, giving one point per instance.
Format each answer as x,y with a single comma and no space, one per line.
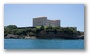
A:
42,44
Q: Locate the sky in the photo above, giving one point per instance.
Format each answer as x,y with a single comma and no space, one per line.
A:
21,15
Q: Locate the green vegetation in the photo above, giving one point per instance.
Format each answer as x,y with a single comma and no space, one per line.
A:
40,26
40,32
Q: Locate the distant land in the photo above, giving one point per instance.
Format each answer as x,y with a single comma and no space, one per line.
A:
41,32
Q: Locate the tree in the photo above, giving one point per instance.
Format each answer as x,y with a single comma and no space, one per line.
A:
37,31
42,28
69,31
11,27
57,27
49,28
78,33
20,32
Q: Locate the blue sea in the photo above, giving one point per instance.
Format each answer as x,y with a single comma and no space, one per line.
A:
43,44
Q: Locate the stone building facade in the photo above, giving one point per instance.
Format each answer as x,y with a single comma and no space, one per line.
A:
39,21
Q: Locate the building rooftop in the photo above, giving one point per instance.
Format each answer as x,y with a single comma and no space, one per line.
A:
54,20
41,17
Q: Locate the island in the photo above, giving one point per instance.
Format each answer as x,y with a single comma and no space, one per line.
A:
42,32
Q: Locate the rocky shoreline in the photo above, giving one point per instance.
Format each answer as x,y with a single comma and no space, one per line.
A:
11,36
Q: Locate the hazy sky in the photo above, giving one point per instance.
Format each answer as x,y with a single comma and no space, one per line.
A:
71,15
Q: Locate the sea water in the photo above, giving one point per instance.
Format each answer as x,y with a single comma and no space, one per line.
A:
43,44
